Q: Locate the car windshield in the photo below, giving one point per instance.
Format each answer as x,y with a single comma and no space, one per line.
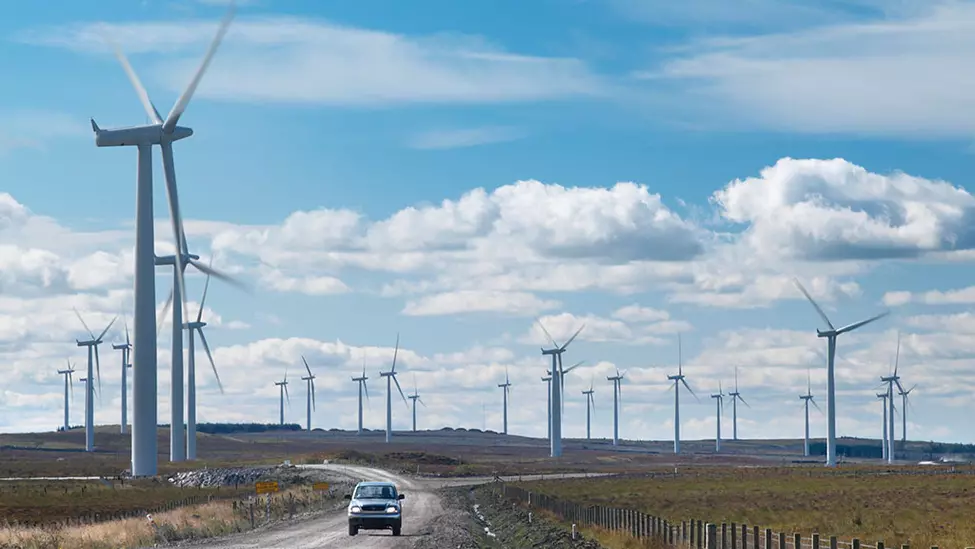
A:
375,492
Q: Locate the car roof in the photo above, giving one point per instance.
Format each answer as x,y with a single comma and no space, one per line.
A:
376,483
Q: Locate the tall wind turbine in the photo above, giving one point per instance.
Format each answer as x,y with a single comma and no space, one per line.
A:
558,378
89,397
361,380
617,395
719,407
92,345
310,398
890,380
196,328
590,408
391,375
505,387
678,380
885,444
126,348
548,407
807,399
143,137
415,397
831,336
68,392
283,384
735,397
904,406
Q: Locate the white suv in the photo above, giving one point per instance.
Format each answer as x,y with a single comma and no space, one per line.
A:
375,506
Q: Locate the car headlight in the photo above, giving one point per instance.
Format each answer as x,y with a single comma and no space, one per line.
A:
392,509
355,509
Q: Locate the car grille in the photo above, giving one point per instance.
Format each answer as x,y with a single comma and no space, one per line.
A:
374,508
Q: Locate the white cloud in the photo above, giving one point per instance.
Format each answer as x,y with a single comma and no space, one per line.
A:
473,301
636,313
465,137
311,285
961,296
291,60
601,330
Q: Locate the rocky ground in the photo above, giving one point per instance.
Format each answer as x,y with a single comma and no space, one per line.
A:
285,475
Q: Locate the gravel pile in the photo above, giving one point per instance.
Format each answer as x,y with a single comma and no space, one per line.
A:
231,476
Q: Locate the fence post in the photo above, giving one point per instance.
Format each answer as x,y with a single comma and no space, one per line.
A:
734,536
700,534
252,515
712,536
693,539
833,542
744,536
664,531
756,540
724,535
798,541
856,543
768,538
880,545
574,532
815,541
782,541
683,532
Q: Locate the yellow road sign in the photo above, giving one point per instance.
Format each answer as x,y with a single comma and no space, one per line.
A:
266,487
319,486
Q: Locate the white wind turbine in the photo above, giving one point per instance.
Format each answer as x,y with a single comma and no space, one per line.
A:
143,137
558,376
126,348
678,380
196,328
283,384
415,397
548,407
361,380
310,399
590,408
890,380
719,408
885,443
617,396
831,336
506,388
904,404
92,345
391,375
735,397
808,399
68,391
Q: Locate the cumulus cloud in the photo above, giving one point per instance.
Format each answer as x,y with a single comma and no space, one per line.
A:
961,296
472,301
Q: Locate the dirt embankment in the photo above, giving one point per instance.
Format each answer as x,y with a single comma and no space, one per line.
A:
477,519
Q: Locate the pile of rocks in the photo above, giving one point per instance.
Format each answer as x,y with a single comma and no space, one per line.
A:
231,476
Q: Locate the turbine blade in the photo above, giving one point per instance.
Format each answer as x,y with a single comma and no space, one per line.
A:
855,325
125,321
169,170
571,339
420,400
287,395
816,405
105,331
306,365
83,322
684,381
312,383
184,99
395,353
548,335
163,313
897,354
400,389
680,356
140,90
814,304
208,270
98,369
742,399
366,387
206,347
206,286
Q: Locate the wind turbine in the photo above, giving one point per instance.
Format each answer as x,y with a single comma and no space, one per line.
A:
735,397
91,344
885,446
391,375
126,348
506,387
617,396
310,398
143,137
807,399
196,327
68,391
415,397
284,393
831,336
678,380
890,381
719,407
362,385
590,407
558,376
548,407
904,406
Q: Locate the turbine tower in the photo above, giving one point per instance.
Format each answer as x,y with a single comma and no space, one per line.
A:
505,387
735,397
718,408
617,396
890,380
68,391
361,380
163,133
548,407
904,406
678,380
310,398
391,375
283,384
126,348
194,328
831,336
415,397
885,445
556,388
807,399
92,345
590,408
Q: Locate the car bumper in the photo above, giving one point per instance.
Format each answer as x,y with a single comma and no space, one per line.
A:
375,522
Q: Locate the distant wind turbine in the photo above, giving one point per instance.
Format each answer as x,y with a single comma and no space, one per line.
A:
68,391
735,397
617,396
310,398
557,388
415,397
196,328
807,399
391,375
904,404
91,344
506,388
891,380
126,348
831,336
283,384
590,408
719,407
885,445
361,380
678,380
548,407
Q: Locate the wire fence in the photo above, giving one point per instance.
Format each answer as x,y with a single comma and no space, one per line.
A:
693,533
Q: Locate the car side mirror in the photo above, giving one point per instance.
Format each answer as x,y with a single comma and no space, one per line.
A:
401,496
347,496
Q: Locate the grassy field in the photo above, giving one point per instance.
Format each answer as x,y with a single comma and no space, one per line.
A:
909,506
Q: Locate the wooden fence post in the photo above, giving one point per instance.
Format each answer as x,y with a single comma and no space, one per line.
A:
782,541
756,540
724,535
815,541
683,532
768,538
880,545
712,536
798,541
734,536
856,543
744,536
693,538
833,542
700,534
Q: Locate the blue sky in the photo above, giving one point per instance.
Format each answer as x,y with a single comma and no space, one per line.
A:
451,170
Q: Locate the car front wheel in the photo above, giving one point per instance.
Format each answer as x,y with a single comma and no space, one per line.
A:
396,528
353,530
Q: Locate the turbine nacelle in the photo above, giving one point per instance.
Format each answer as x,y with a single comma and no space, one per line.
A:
171,259
138,135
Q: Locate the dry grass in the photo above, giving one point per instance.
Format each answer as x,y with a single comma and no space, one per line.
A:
901,507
